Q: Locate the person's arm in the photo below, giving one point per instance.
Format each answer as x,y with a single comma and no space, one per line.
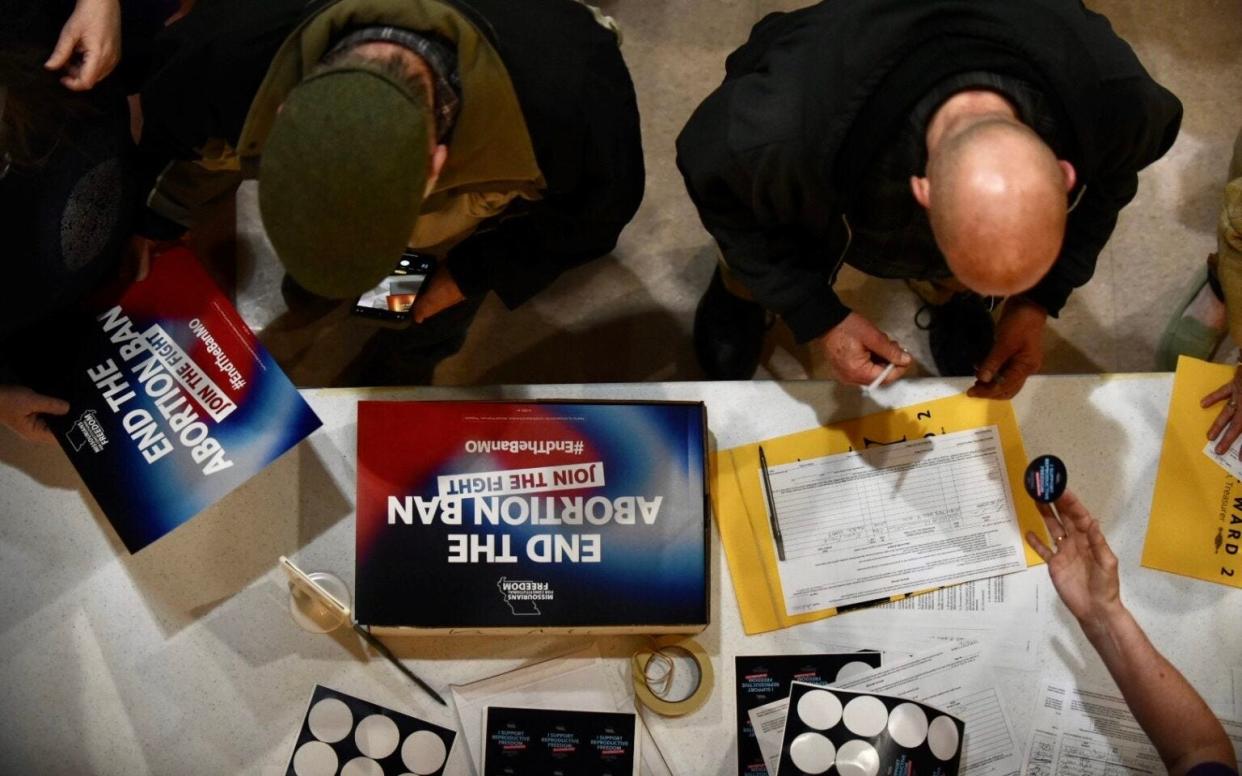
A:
516,256
753,205
749,204
204,72
1084,572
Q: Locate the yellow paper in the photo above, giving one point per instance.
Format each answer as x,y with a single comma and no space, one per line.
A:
742,517
1196,513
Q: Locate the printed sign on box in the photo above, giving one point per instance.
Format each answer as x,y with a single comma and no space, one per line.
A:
532,516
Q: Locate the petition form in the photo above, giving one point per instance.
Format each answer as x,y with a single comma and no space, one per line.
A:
898,518
1079,732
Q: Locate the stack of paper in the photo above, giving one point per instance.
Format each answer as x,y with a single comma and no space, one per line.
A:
1004,613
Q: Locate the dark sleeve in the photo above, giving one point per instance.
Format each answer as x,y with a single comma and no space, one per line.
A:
1140,129
204,72
518,255
750,203
1212,769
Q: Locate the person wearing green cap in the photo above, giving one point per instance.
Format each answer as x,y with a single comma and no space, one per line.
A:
501,137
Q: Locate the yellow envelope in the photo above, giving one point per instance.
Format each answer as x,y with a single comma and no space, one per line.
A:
741,514
1196,513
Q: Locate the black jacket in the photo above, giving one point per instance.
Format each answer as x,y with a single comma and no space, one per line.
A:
773,156
571,82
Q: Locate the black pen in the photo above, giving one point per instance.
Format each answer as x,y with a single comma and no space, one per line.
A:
383,650
767,487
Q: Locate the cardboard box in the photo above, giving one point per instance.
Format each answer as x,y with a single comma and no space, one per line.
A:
532,517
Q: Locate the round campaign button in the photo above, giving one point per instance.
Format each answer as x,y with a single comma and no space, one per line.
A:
1046,478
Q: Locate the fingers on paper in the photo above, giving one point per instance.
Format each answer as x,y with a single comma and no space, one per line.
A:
1220,394
1230,434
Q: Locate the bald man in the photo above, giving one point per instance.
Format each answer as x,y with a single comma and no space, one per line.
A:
980,147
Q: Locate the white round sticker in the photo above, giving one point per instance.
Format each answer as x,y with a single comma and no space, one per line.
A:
819,709
314,758
908,725
852,669
423,752
330,720
942,738
812,753
362,766
377,736
866,715
857,758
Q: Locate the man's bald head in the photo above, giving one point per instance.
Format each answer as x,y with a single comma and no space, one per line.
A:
996,197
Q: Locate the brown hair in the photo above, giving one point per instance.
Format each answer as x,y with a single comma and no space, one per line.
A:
38,109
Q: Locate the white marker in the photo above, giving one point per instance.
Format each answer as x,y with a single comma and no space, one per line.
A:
888,370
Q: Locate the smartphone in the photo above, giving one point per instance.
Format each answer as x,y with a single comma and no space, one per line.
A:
391,300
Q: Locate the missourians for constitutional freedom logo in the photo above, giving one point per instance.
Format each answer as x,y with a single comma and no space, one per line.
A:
87,431
522,595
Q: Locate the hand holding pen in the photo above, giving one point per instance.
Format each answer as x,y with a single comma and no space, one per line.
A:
858,353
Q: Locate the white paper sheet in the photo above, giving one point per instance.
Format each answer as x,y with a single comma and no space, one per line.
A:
1003,612
911,516
956,679
768,722
1081,732
996,595
580,681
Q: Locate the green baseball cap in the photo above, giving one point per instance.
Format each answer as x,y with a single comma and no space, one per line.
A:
342,178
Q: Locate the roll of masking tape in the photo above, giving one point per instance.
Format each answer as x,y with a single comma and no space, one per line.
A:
640,664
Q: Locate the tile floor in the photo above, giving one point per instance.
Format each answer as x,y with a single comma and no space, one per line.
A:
627,317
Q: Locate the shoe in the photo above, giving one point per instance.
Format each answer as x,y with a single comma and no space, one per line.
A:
304,306
1188,335
960,333
728,333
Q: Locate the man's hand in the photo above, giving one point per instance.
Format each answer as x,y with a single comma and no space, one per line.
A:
439,293
1017,353
89,45
1229,420
20,408
1082,567
857,351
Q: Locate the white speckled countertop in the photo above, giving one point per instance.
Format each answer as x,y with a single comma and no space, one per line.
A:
183,660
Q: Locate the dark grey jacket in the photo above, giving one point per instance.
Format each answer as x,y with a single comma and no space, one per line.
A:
772,158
